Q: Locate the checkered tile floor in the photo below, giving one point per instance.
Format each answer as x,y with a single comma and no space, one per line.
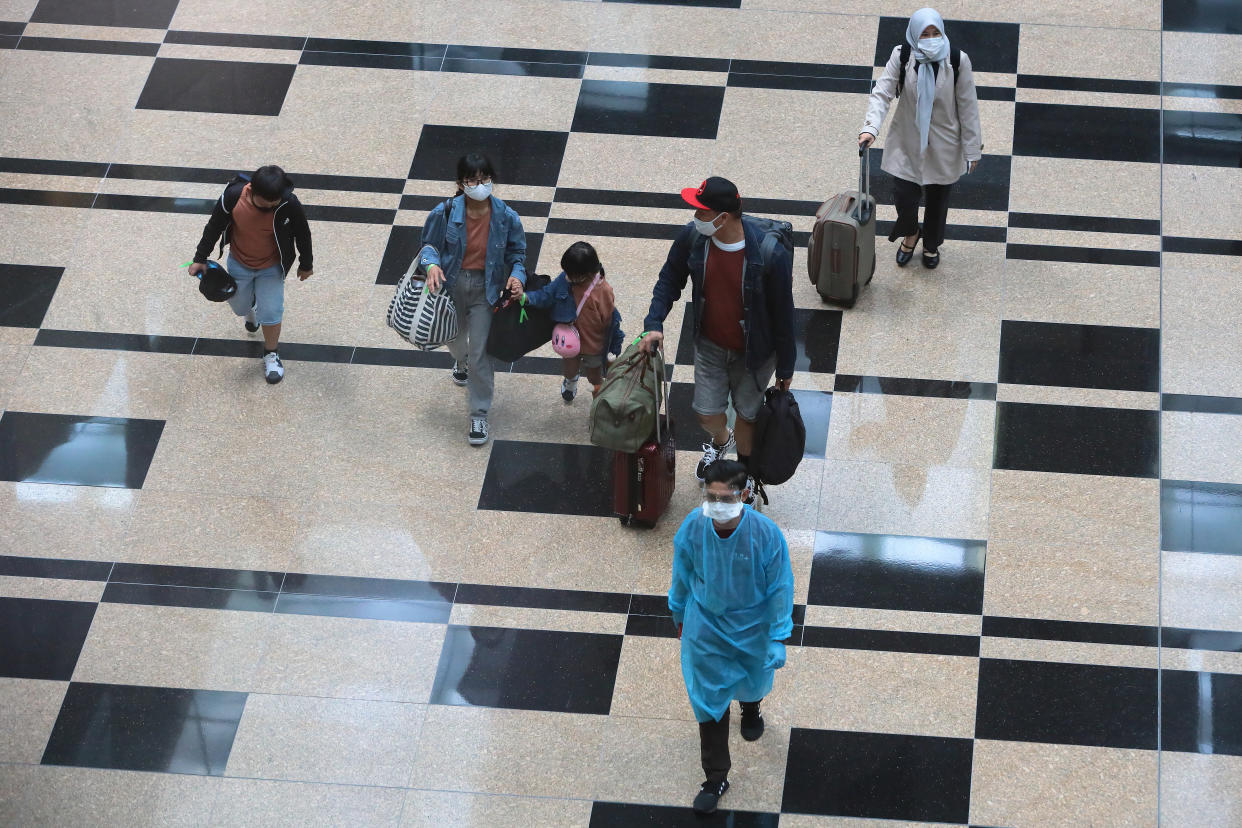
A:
1016,534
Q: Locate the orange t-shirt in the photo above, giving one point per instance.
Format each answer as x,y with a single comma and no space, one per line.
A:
594,321
252,239
722,293
477,231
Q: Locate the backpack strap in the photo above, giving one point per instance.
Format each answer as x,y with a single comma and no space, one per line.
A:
955,60
901,71
587,295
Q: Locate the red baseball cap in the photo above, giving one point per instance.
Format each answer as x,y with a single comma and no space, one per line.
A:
715,193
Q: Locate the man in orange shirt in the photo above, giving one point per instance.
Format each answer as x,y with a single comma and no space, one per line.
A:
261,221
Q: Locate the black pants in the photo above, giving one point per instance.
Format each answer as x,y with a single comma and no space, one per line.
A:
714,745
906,197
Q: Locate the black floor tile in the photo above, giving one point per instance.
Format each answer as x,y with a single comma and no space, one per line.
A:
1088,632
375,609
193,597
1206,247
375,47
538,598
520,156
549,478
403,244
897,572
46,198
1201,712
27,292
136,14
1080,356
1082,255
104,341
659,109
54,568
1102,133
245,41
516,68
89,47
1201,404
627,815
563,672
1206,138
892,641
1190,639
945,389
651,626
196,576
1208,16
413,63
1200,517
145,729
12,28
42,639
1071,439
992,47
355,587
1068,704
987,188
1089,224
223,86
80,451
816,410
877,776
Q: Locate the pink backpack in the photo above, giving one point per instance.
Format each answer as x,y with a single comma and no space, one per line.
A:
565,340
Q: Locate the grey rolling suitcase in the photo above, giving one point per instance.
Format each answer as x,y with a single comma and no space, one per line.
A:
841,253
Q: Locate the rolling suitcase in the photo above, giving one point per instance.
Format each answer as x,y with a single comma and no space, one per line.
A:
643,481
841,254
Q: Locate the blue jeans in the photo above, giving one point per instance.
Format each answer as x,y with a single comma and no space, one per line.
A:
263,290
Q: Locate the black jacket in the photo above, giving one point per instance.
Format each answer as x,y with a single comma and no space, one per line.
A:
288,222
767,295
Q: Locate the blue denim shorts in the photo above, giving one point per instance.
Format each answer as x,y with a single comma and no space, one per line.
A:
263,290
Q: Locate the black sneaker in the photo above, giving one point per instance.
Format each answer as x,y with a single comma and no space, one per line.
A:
569,389
752,722
712,453
478,431
709,797
460,373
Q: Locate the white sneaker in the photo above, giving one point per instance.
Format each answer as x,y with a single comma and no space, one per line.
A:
712,453
273,368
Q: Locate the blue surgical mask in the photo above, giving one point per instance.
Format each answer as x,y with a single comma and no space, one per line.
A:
479,192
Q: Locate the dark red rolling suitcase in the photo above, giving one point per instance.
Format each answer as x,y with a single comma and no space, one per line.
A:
643,482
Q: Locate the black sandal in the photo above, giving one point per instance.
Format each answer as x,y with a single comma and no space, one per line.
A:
930,260
904,256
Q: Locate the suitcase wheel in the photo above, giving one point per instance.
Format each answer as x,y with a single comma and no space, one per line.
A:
626,520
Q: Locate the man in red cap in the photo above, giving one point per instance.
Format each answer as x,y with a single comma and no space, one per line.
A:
742,289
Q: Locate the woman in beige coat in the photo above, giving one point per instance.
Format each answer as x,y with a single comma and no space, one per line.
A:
935,135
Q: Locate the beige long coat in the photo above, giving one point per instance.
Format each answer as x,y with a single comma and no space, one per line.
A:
955,137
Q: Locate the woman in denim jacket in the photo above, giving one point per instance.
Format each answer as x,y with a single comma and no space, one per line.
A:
474,244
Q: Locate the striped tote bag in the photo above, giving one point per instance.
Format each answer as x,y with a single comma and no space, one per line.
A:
422,318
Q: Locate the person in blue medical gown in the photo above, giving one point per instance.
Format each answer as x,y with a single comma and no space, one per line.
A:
732,601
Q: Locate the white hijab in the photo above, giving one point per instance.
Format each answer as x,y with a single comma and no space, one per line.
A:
919,21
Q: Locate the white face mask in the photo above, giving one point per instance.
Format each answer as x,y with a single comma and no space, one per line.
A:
481,192
722,512
707,228
930,46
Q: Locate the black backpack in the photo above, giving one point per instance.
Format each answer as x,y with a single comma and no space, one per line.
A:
955,60
780,438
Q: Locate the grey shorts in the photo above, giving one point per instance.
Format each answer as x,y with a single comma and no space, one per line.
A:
592,361
720,373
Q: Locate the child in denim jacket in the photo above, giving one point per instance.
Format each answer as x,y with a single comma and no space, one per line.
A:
598,324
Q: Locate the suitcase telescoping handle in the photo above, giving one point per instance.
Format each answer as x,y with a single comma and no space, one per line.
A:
864,183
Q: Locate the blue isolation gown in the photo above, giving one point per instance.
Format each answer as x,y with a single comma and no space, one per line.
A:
734,598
